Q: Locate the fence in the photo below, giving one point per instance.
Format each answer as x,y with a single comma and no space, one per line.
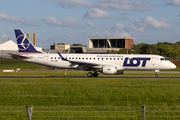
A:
77,112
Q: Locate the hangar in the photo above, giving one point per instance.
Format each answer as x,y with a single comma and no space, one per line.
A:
8,46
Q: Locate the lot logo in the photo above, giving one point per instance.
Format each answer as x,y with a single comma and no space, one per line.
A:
23,42
135,62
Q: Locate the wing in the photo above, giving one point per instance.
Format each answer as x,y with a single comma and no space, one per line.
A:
80,63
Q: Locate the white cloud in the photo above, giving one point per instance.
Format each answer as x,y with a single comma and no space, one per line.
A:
162,23
4,36
19,21
173,3
118,26
107,33
90,24
116,34
149,22
135,5
96,13
75,3
52,21
122,5
136,28
65,22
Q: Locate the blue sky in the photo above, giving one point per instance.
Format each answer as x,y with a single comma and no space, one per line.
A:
75,21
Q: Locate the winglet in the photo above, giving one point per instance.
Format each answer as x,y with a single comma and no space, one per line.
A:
62,57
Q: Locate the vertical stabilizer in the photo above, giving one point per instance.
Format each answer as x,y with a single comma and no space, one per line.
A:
24,45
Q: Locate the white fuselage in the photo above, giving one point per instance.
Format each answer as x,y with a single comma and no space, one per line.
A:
121,61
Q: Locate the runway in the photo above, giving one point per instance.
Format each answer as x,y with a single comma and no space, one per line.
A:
105,76
117,77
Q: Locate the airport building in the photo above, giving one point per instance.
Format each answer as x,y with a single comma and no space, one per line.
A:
96,45
77,48
8,46
60,46
101,45
111,42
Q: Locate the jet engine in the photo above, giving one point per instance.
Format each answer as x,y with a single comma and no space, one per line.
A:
111,70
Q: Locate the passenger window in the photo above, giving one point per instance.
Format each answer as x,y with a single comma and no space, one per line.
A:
117,58
76,58
102,58
79,58
86,58
121,58
110,58
106,58
69,58
114,58
83,58
90,58
51,57
94,58
98,58
72,58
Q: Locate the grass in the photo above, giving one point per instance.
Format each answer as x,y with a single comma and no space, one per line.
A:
67,94
10,63
85,96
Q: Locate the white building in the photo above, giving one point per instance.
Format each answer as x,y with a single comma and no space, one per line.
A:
9,46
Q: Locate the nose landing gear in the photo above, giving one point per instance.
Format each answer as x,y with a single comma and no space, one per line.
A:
156,73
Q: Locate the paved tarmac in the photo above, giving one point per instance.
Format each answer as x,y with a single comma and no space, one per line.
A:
176,72
151,71
86,77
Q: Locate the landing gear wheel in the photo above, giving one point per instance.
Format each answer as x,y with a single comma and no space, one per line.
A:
95,74
89,74
156,74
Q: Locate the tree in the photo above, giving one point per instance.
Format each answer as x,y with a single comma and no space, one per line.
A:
168,50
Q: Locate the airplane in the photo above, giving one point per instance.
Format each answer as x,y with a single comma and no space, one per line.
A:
94,63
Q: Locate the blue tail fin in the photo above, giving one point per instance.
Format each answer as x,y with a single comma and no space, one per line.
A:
24,45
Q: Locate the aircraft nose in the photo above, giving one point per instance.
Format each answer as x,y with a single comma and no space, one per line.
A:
173,66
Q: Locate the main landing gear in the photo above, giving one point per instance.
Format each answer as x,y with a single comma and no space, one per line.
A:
90,74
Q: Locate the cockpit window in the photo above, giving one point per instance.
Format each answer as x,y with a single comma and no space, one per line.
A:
162,59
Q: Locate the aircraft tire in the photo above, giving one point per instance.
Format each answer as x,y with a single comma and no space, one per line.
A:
95,74
156,75
89,74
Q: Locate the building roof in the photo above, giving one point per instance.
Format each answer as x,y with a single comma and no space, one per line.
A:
3,41
8,45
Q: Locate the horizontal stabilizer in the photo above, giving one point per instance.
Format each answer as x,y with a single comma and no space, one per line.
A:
15,56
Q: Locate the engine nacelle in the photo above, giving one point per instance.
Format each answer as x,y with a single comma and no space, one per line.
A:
111,70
